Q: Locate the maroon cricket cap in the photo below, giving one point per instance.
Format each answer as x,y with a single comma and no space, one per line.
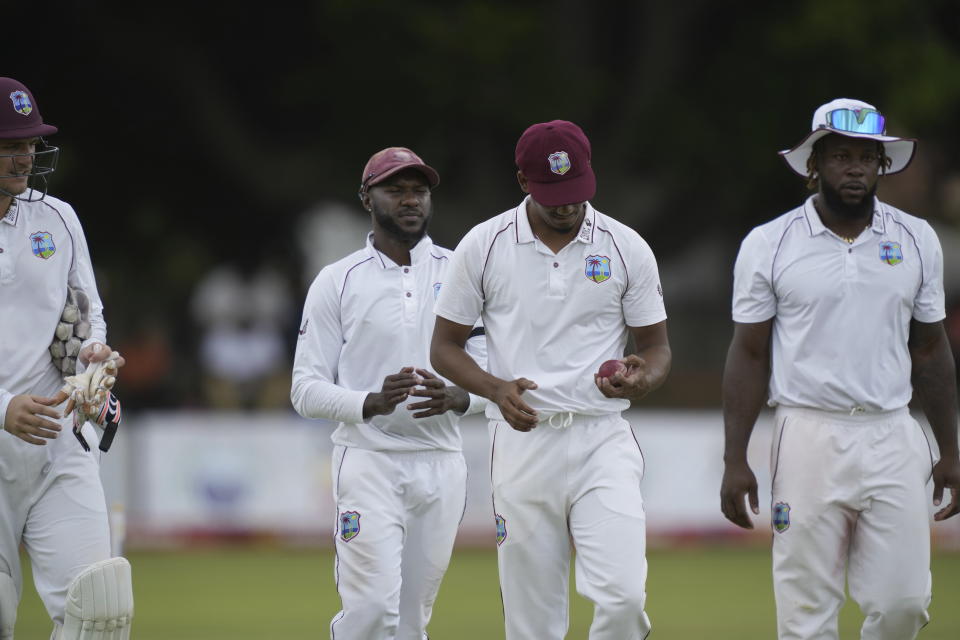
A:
391,160
19,114
555,158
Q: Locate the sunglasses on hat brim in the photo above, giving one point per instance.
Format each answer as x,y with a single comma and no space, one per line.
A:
868,121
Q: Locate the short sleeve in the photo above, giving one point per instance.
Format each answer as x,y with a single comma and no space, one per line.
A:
461,296
929,304
643,300
753,297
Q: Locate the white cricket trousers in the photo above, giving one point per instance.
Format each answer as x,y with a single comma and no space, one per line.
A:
852,497
397,517
52,502
579,485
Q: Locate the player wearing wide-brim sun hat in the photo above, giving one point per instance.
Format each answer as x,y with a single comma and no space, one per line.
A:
854,119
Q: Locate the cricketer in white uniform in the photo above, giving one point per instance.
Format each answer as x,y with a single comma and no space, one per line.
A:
399,476
560,287
838,306
51,499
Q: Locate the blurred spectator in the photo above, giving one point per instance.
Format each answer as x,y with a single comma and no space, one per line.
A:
243,316
327,232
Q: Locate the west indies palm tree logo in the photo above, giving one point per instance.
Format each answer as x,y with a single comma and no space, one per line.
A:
42,244
891,253
559,162
501,529
349,525
598,268
781,517
21,102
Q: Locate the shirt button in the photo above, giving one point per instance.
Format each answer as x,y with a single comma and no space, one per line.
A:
1,249
556,264
406,269
409,294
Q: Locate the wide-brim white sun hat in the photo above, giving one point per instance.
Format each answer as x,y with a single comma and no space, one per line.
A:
854,119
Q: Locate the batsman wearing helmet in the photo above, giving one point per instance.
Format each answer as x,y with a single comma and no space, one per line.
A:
51,499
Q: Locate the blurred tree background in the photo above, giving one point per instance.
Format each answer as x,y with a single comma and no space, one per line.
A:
203,134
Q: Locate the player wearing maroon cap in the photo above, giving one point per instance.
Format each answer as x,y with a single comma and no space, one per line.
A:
51,499
560,287
399,477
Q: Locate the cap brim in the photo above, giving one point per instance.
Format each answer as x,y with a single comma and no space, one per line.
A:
899,150
433,178
570,191
28,132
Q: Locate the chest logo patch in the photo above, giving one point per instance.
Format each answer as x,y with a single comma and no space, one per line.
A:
559,162
21,102
349,525
42,244
781,517
598,268
891,253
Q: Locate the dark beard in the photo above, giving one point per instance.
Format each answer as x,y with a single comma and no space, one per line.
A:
392,229
835,203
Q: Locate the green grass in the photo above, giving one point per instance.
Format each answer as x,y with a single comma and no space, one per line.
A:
267,593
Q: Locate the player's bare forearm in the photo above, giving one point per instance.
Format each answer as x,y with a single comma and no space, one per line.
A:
646,369
934,382
746,376
449,358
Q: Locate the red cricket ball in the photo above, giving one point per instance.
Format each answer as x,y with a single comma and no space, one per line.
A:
610,367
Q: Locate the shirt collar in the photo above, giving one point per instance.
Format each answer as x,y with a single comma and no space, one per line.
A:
816,226
420,252
525,232
13,213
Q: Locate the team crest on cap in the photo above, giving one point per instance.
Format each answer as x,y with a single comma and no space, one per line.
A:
501,529
598,268
349,525
21,102
559,162
891,253
781,517
42,244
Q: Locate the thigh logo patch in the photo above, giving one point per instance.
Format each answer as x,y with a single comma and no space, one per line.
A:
501,529
349,525
781,517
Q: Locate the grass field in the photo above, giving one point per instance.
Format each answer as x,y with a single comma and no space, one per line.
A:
268,593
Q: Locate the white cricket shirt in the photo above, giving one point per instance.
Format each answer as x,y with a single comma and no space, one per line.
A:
554,318
42,248
365,318
841,312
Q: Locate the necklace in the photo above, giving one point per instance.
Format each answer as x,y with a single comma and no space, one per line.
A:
852,239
